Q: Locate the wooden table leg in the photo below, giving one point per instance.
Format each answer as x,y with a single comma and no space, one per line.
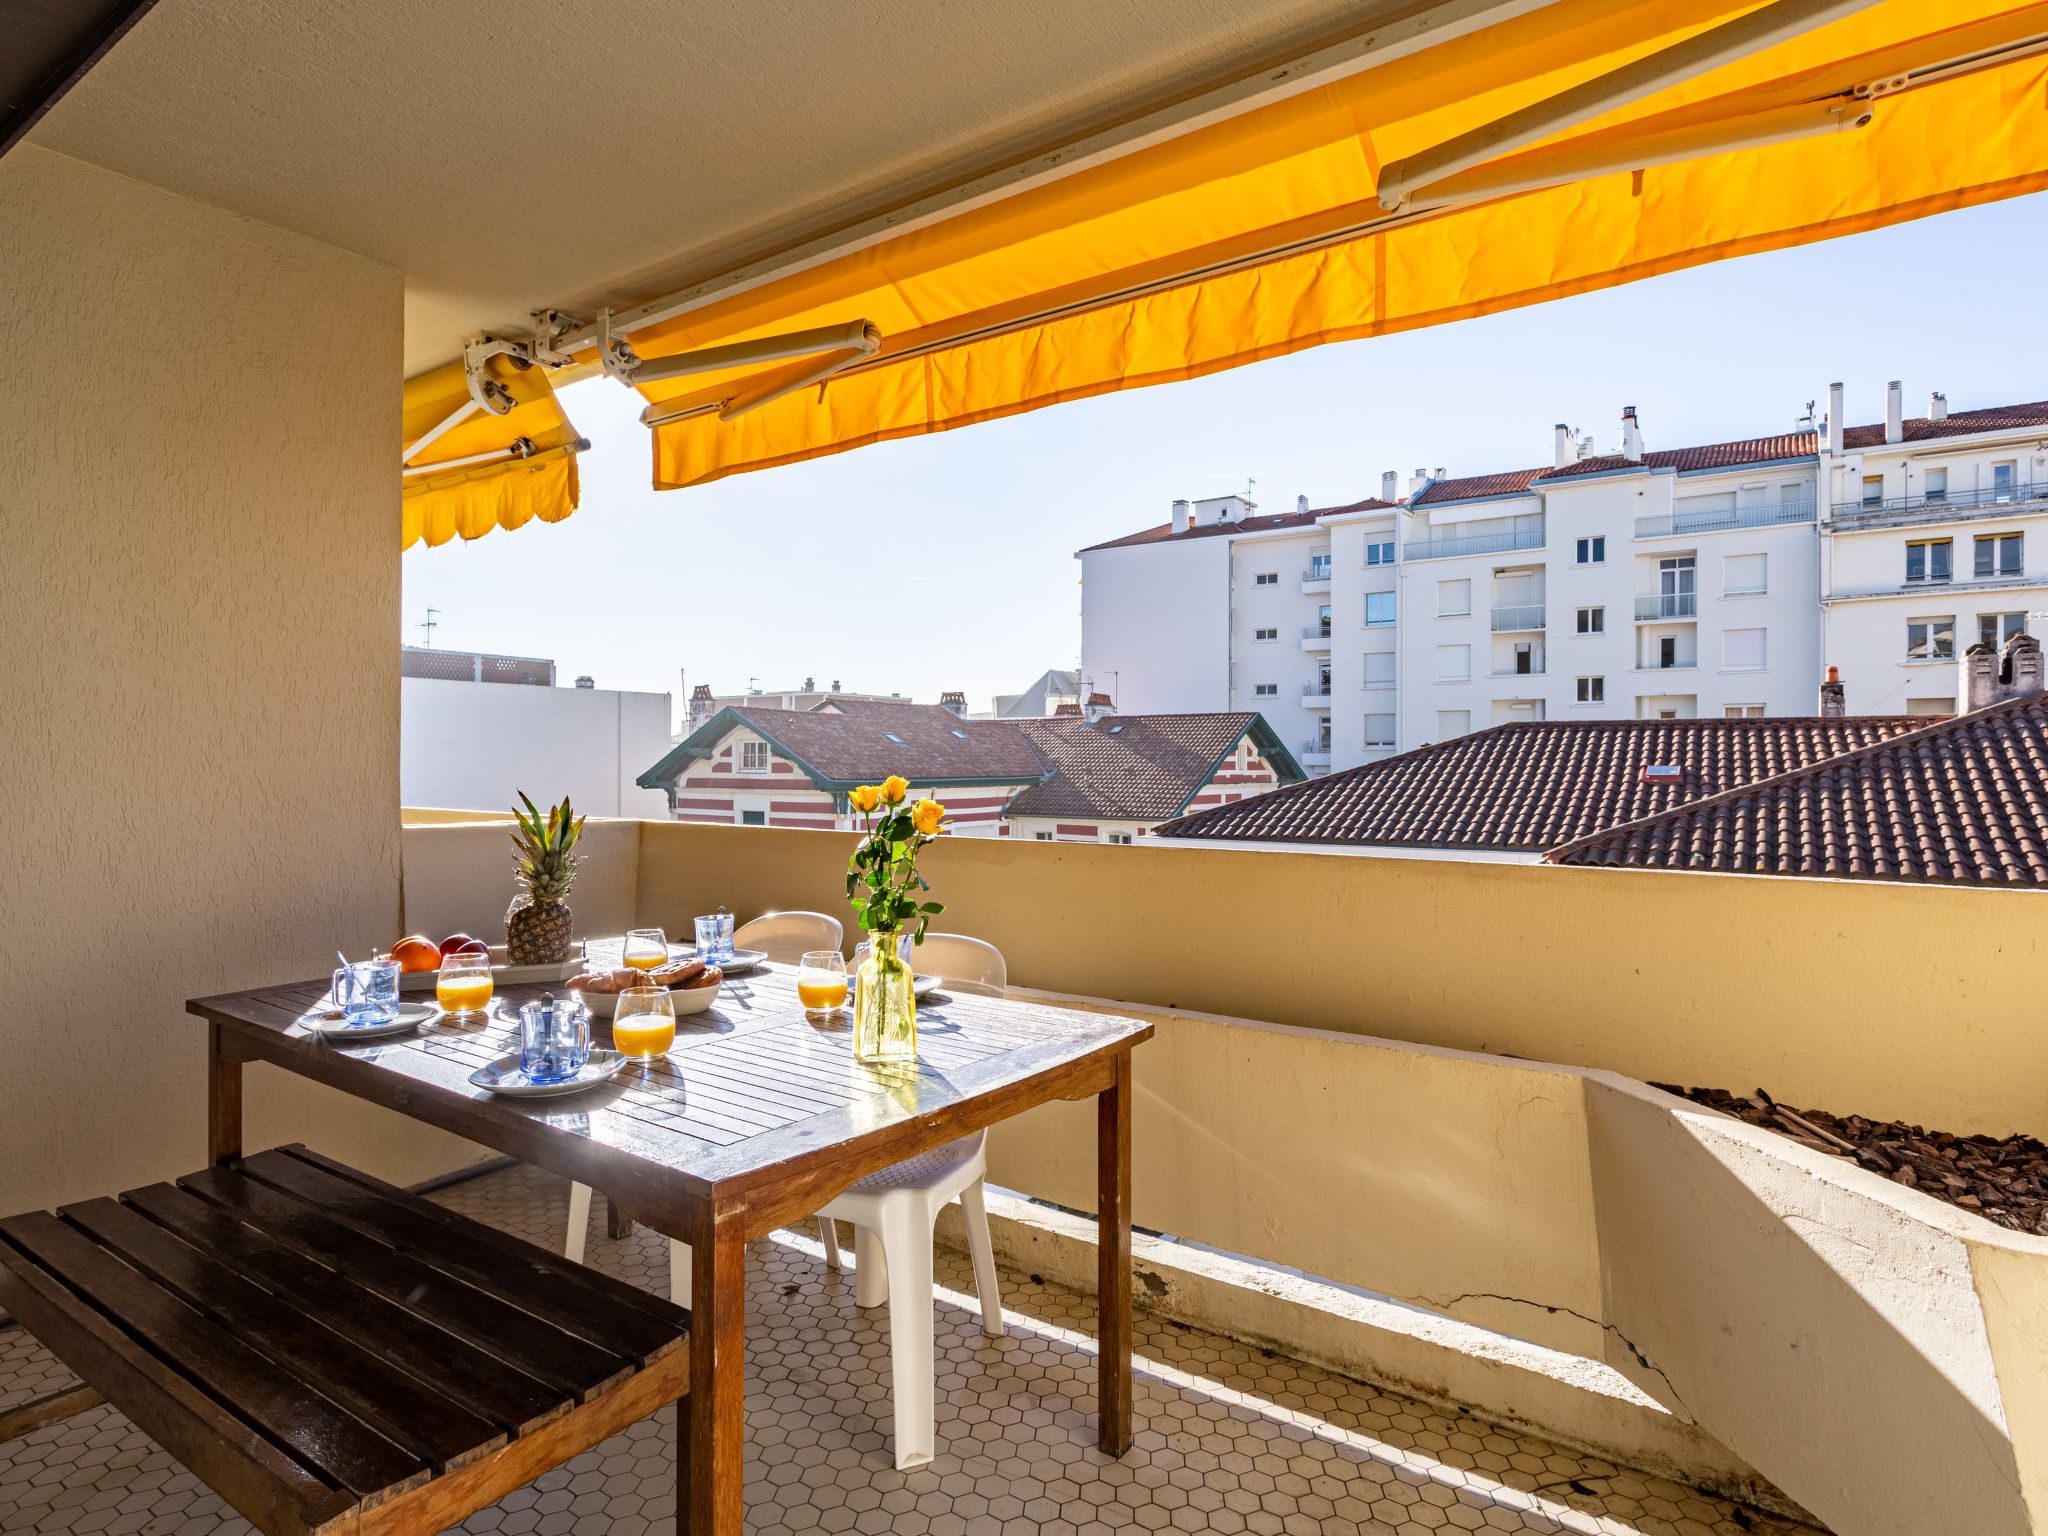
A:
617,1223
710,1505
223,1099
1113,1260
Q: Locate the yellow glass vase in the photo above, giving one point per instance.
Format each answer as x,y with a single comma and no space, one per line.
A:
885,1009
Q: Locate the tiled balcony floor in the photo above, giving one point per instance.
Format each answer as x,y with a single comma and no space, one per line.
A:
1229,1439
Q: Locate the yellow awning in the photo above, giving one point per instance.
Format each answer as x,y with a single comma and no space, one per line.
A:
1267,233
467,470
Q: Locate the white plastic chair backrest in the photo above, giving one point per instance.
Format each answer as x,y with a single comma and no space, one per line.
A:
786,937
967,965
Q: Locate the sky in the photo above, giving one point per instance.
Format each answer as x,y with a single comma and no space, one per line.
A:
759,579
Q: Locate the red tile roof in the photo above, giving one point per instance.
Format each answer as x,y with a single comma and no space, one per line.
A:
1962,801
1164,531
1532,786
1918,429
1137,767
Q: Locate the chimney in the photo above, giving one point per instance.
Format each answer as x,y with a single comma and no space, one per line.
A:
1416,482
1180,517
2023,671
1437,473
1390,485
1835,417
1300,505
953,701
1990,677
1834,703
1097,706
1561,446
1894,412
835,685
1586,446
1631,435
810,683
586,682
701,707
1937,406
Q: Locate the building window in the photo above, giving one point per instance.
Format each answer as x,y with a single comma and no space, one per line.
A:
1452,722
1525,659
1745,576
1118,837
753,757
1592,621
1998,554
1592,690
1379,730
2004,480
1266,579
1453,599
1266,634
1380,552
1379,669
1742,650
753,818
1934,485
1994,629
1873,490
1743,712
1931,639
1592,551
1379,609
1318,567
1928,560
1454,663
1043,837
1266,690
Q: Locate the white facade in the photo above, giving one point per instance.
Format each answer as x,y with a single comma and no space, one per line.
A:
1695,583
474,746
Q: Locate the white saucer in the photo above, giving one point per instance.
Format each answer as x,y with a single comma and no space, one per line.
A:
742,959
503,1076
410,1017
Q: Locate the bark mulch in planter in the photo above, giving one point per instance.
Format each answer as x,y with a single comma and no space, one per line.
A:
2004,1179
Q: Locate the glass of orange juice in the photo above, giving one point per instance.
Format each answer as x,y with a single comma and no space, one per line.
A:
463,986
644,1022
646,949
821,981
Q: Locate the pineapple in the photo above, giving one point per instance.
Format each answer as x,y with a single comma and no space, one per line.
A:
538,923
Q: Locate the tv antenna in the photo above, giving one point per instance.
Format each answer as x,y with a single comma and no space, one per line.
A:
431,625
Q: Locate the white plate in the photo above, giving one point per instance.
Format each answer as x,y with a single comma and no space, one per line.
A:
688,1000
742,959
503,974
503,1076
410,1017
925,986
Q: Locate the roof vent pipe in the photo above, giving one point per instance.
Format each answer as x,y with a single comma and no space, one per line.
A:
1835,417
1560,446
1833,697
1180,517
1894,412
1390,485
1631,435
1937,406
1300,505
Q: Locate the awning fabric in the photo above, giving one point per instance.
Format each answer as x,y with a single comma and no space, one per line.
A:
1264,234
498,471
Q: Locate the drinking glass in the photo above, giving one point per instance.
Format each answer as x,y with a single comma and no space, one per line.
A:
464,984
821,981
644,1022
714,937
367,992
646,949
554,1039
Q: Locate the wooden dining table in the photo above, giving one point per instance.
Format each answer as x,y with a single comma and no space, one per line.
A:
757,1118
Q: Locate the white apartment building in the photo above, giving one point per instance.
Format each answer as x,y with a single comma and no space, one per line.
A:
1712,581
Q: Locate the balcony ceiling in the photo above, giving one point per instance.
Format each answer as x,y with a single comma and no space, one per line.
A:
572,152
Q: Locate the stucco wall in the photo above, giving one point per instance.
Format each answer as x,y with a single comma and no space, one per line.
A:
473,746
198,424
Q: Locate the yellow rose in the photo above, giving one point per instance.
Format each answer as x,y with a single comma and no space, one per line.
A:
865,799
894,788
926,816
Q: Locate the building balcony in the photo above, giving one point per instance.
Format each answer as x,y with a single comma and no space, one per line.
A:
1316,638
1523,616
1447,545
1674,523
1316,697
1673,666
1317,577
1666,605
1942,507
1539,670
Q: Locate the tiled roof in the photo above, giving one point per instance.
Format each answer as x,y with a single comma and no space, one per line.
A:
1532,786
1135,767
1510,483
1963,801
845,743
1917,429
1748,450
1164,531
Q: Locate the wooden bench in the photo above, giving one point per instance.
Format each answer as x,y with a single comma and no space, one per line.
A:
334,1355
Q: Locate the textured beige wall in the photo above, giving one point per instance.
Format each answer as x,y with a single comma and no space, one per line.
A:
1858,997
198,422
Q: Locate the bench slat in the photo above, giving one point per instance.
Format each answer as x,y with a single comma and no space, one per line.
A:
325,1437
498,1390
556,1357
298,1340
573,1297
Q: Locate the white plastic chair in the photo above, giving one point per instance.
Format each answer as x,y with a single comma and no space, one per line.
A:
964,964
786,937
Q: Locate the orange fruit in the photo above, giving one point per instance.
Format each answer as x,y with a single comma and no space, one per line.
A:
414,953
